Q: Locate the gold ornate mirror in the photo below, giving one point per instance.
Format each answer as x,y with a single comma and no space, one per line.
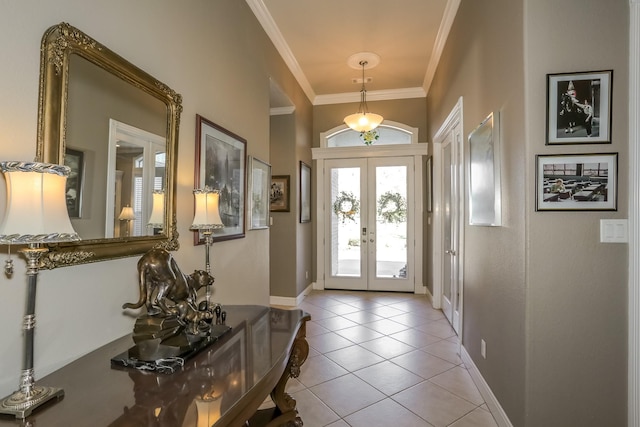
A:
117,128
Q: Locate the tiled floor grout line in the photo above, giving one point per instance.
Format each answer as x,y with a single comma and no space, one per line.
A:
323,304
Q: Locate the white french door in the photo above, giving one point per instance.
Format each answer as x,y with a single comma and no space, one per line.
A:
369,217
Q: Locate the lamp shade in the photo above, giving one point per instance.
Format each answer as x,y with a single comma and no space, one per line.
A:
157,211
126,214
363,122
207,214
36,210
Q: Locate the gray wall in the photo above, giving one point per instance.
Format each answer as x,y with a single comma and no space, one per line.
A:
216,55
549,300
576,286
483,63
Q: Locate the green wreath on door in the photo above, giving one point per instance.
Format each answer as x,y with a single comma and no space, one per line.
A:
392,208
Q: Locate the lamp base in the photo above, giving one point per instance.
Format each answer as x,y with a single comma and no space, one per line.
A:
22,404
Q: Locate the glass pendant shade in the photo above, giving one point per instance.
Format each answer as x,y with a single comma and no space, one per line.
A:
363,122
36,210
207,214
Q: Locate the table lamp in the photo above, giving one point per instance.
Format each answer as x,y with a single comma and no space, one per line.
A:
206,219
156,219
127,215
36,214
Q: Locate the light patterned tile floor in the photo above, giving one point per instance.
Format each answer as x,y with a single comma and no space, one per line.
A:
383,359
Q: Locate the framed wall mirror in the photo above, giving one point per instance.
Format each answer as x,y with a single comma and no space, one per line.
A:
125,123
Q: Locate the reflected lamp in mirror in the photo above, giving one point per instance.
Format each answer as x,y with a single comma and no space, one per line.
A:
156,220
127,215
36,213
206,219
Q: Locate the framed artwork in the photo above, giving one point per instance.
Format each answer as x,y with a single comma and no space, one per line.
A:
75,160
577,182
305,192
258,200
429,184
579,108
484,173
221,165
279,193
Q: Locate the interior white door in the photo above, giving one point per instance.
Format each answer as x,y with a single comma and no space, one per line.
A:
451,221
368,239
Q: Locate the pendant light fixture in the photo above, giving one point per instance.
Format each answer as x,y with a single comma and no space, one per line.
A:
363,120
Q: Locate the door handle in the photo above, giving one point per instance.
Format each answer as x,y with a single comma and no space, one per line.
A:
450,252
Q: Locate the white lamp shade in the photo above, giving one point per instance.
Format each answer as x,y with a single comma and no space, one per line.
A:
157,212
363,122
127,214
36,210
207,214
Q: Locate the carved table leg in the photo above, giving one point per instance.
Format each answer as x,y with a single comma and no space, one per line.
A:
286,405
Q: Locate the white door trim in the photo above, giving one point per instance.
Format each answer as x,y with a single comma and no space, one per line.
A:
453,120
319,155
633,397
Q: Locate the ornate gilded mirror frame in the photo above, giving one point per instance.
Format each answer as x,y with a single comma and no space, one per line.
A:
58,43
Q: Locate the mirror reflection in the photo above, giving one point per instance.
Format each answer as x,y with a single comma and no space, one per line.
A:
120,132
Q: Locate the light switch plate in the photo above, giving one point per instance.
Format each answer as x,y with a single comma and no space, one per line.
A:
614,230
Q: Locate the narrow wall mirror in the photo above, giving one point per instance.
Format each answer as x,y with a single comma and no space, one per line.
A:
117,128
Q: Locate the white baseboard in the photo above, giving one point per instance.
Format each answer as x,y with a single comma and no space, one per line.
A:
494,406
290,301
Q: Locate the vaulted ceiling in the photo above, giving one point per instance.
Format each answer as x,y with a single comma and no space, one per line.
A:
318,38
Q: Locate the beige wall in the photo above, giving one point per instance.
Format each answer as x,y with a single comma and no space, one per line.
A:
549,300
216,55
576,286
483,63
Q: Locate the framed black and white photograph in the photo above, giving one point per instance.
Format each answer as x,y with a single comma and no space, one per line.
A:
577,182
305,192
221,165
579,108
259,188
75,160
485,206
280,193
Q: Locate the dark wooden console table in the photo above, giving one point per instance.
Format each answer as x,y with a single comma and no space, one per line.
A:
222,386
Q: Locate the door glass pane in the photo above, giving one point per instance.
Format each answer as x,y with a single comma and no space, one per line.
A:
345,222
391,222
446,201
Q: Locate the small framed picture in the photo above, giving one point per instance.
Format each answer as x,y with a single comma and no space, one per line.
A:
279,193
579,108
305,192
221,165
577,182
75,160
258,200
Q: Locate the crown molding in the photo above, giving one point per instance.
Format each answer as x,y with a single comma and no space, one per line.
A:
281,111
374,95
441,39
261,12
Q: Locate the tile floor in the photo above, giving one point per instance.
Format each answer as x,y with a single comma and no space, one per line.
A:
383,359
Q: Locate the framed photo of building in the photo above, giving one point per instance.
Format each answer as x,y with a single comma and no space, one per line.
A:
75,160
221,165
577,182
579,108
259,187
280,193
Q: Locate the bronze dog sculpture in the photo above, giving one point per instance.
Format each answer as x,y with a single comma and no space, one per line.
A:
160,279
